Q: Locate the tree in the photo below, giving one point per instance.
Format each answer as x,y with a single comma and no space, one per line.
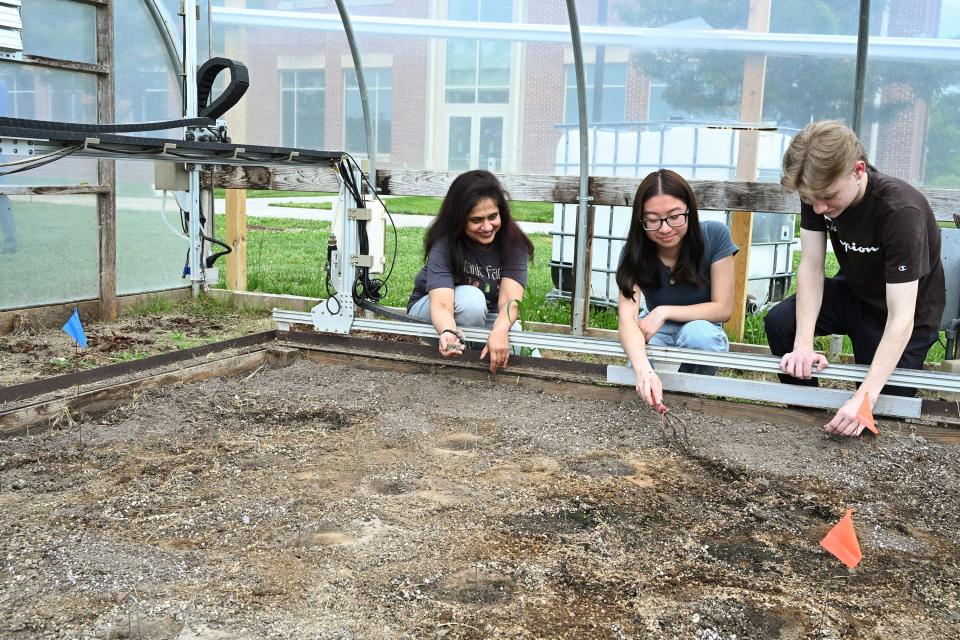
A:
799,89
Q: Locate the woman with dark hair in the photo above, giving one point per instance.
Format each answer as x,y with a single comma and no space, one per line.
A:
684,270
476,267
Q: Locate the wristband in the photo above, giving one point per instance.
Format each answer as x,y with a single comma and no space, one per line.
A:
455,332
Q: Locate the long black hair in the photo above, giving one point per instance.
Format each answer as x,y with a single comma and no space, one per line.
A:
641,265
451,221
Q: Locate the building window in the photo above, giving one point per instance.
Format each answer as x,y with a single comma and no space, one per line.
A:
18,95
614,94
301,108
380,95
660,109
478,72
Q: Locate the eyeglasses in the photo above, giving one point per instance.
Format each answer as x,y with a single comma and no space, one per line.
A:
676,220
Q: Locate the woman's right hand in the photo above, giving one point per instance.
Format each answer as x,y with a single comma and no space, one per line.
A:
650,388
451,343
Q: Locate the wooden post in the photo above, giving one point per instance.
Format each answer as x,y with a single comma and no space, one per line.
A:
106,169
236,232
236,202
584,263
751,110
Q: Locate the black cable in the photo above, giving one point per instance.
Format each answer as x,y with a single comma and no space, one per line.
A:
212,259
396,236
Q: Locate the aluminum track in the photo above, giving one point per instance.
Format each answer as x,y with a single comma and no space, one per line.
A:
930,380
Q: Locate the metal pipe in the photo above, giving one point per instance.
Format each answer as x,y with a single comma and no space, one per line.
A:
209,29
163,28
190,111
580,283
863,37
362,85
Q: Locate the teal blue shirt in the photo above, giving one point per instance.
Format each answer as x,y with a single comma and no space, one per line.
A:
717,244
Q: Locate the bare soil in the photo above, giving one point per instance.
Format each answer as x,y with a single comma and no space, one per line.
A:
35,351
331,502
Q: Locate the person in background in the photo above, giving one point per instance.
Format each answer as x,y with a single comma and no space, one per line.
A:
476,267
890,292
683,268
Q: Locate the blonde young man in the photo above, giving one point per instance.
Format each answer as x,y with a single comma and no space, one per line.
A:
889,294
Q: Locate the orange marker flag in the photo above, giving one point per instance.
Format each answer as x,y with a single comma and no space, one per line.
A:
865,416
841,541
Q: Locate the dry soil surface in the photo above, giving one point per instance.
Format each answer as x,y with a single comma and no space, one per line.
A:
331,502
33,351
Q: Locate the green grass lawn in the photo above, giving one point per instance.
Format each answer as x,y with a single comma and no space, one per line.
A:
304,205
428,206
267,193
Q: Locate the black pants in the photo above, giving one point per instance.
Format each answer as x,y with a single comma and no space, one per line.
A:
843,313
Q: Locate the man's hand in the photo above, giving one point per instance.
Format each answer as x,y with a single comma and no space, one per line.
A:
651,323
650,388
498,348
801,362
451,343
846,423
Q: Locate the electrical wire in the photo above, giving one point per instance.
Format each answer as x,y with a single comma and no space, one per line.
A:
47,159
33,159
163,216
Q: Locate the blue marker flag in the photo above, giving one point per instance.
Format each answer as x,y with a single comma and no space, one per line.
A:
75,330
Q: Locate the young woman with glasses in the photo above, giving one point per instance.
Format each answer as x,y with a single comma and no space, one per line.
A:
683,268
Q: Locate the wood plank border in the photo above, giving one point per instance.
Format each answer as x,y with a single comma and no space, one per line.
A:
67,65
618,191
55,190
46,413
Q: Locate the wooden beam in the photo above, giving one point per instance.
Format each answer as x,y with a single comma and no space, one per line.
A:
66,65
744,195
44,413
236,200
257,300
751,110
106,169
53,190
236,238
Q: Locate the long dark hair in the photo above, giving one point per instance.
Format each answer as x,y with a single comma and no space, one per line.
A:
641,265
451,221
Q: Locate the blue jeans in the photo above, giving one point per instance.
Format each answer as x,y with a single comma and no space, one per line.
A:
469,310
697,334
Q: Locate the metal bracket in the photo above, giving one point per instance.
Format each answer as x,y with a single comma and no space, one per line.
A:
360,260
359,214
328,322
89,141
168,146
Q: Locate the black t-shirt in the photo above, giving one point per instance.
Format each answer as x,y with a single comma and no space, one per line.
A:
483,267
890,236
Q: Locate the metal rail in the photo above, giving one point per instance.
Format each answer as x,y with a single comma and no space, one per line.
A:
931,380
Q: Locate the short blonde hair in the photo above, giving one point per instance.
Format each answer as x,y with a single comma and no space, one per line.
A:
818,155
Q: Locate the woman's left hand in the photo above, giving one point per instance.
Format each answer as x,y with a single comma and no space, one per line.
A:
498,348
651,323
